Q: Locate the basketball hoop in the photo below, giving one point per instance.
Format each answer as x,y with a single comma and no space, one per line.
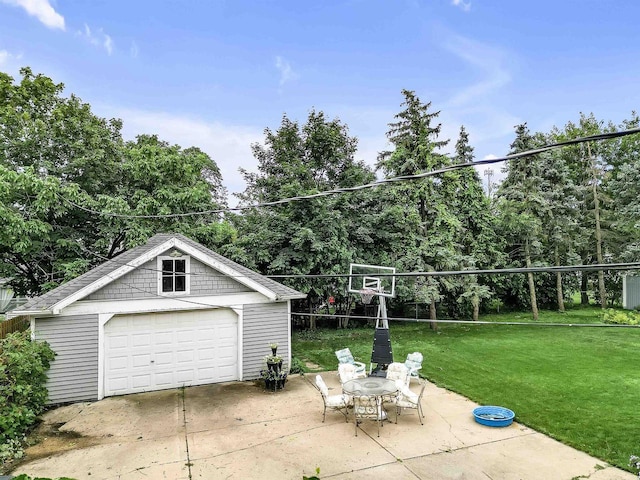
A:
366,295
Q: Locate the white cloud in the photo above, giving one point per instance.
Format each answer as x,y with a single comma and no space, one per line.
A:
108,44
228,145
464,6
97,38
42,10
487,60
134,50
286,72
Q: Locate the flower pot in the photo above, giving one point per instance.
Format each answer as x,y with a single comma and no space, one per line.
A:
274,366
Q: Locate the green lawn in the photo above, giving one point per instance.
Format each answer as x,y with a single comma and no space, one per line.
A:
579,385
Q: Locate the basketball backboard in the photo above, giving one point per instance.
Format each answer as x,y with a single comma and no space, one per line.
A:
375,277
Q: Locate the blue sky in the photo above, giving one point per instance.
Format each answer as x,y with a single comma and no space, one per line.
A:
215,74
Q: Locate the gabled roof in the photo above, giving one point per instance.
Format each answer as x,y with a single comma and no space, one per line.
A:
95,279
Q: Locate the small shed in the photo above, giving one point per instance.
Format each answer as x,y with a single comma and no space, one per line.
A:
630,291
166,314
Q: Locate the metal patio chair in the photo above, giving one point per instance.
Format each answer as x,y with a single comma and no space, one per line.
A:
414,364
338,403
345,356
347,372
406,398
398,371
368,407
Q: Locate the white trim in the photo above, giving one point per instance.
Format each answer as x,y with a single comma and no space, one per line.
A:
289,331
110,277
148,305
32,327
103,318
624,291
240,312
150,255
187,269
237,276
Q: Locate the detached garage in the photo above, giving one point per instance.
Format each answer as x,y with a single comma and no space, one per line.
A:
167,314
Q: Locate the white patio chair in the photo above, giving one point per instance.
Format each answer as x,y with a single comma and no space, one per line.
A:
368,407
338,403
398,371
409,399
347,372
413,364
344,356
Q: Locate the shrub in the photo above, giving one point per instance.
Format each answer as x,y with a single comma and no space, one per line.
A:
23,394
296,366
621,317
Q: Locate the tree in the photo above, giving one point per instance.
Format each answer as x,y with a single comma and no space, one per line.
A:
478,240
71,185
588,165
432,246
522,205
317,236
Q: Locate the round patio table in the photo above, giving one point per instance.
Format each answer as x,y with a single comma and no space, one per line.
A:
377,389
370,386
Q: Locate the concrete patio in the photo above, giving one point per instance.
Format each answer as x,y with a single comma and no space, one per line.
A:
238,430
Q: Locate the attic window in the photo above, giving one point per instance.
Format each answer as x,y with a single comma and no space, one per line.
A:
174,275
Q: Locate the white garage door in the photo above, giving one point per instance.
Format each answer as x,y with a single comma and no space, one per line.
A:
168,350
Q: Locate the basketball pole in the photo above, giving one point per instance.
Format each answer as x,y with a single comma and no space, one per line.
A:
381,319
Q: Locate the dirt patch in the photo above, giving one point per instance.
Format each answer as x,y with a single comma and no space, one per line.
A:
313,367
47,440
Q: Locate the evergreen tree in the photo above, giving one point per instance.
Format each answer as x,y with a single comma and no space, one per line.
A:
522,206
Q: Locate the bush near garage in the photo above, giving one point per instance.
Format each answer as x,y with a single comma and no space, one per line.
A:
23,394
621,317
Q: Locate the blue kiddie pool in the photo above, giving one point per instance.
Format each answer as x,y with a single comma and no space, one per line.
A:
493,416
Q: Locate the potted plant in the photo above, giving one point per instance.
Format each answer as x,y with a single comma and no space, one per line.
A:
274,362
274,377
273,380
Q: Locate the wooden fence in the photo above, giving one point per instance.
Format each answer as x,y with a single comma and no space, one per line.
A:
15,324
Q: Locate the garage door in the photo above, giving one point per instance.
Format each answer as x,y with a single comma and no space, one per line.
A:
168,350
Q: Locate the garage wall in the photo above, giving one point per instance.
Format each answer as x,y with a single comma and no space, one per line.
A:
73,375
263,324
143,283
631,291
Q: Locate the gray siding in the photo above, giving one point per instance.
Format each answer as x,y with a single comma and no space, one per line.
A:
73,375
140,283
206,281
632,294
143,283
263,324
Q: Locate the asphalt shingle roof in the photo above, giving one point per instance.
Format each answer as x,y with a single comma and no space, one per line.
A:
49,299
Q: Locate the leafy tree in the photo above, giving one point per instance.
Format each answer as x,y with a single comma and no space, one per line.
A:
588,165
64,173
316,236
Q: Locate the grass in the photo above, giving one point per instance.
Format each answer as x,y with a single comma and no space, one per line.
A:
576,384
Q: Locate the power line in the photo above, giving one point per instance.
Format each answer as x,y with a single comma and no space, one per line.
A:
503,271
403,178
470,322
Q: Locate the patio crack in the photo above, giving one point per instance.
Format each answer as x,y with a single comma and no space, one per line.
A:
186,436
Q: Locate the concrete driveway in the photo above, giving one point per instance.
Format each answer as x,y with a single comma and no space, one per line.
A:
239,431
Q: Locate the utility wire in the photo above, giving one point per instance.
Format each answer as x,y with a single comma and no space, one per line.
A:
403,178
503,271
469,322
